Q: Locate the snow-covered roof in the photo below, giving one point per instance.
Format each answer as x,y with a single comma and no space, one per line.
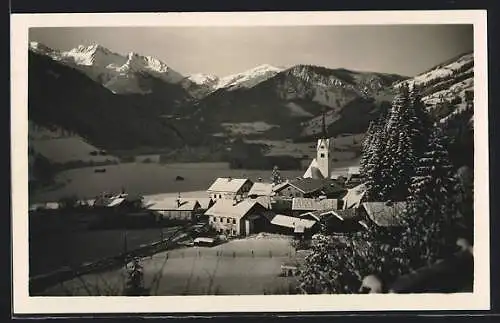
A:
280,186
342,215
385,214
261,189
230,208
309,171
353,197
203,239
264,201
292,222
227,184
172,204
310,204
115,201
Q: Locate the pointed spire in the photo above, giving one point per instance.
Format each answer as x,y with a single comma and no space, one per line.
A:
324,132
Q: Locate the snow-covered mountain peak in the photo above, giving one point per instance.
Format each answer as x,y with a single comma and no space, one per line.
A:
203,79
40,48
250,77
455,66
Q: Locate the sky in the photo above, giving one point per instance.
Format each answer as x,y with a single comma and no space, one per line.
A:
405,49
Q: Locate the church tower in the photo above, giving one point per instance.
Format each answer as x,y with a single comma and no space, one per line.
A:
324,152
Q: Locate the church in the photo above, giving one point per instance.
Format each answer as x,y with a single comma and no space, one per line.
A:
321,166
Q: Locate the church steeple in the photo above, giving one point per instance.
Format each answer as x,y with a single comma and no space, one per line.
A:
323,129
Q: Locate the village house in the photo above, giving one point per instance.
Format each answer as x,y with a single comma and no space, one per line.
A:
229,188
176,209
303,205
383,214
235,218
336,220
288,225
309,188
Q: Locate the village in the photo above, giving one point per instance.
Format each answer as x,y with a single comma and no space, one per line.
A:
239,208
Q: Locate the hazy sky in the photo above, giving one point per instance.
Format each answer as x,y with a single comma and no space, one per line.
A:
406,50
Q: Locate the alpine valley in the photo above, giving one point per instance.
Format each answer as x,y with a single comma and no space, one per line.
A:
128,102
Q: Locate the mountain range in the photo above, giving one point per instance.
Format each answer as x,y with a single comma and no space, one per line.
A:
127,101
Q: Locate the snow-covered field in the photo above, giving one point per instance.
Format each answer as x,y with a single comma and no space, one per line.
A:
248,128
227,269
59,146
63,150
297,111
146,179
345,145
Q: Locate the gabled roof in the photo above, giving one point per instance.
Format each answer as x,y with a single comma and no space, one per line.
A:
227,184
116,201
171,204
261,189
204,201
354,196
311,185
264,201
310,204
292,222
229,208
280,186
385,214
309,172
342,215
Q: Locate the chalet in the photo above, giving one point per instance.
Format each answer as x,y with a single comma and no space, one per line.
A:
176,209
384,214
242,218
229,188
303,205
309,187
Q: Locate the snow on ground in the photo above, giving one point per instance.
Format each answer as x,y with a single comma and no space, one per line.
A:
248,128
297,111
249,78
146,179
314,125
457,89
63,150
230,268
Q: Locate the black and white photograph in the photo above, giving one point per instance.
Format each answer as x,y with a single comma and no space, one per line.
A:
325,157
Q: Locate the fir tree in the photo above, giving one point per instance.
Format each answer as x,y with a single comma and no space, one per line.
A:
431,212
276,176
398,156
338,264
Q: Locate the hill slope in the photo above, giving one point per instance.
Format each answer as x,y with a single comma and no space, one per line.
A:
289,104
62,96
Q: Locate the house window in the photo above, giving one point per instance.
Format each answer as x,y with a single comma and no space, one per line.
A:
221,219
234,221
220,196
234,232
322,155
228,220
